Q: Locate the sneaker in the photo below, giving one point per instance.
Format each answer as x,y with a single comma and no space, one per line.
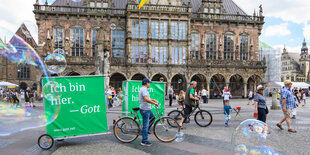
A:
147,143
226,124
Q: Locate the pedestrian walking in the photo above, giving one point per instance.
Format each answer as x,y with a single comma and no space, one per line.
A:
251,97
15,98
170,92
27,97
261,108
9,97
181,99
297,100
204,95
226,96
31,98
304,97
145,110
288,103
227,110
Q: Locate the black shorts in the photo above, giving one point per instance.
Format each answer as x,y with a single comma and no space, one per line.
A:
26,99
187,111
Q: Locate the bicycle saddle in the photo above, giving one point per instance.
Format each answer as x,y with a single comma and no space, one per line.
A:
136,109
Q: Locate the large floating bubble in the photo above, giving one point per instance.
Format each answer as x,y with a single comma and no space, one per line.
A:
56,63
60,51
18,116
255,137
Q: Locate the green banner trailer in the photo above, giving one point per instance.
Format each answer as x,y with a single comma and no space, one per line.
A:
131,97
80,104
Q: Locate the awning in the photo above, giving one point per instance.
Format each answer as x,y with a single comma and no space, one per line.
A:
7,84
302,85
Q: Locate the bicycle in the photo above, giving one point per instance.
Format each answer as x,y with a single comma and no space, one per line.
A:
203,118
127,129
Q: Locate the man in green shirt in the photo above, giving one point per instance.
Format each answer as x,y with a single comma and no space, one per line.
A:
189,101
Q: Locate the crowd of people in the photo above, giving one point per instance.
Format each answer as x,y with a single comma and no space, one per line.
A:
14,97
114,97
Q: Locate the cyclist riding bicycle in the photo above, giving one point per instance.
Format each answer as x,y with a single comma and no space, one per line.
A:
189,101
145,110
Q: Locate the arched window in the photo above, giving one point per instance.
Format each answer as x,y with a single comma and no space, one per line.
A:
23,71
244,42
77,42
211,46
118,42
228,47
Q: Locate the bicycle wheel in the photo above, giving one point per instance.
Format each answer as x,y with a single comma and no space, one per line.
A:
45,142
163,131
126,129
203,118
177,115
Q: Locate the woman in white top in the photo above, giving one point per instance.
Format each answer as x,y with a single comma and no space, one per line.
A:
304,97
226,95
204,95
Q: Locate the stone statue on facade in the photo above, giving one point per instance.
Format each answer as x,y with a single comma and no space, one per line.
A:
260,10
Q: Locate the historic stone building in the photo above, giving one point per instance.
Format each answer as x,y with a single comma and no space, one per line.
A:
213,42
14,69
296,67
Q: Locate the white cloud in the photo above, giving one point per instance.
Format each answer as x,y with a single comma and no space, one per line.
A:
13,13
296,11
277,30
288,48
306,31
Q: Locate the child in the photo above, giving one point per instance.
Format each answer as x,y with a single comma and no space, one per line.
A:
227,107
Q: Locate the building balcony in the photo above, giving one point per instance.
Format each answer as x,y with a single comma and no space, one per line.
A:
227,17
81,10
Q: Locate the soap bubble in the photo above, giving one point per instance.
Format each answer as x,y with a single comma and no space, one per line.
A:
20,57
60,51
55,63
255,137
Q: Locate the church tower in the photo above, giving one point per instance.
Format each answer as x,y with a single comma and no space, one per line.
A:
304,60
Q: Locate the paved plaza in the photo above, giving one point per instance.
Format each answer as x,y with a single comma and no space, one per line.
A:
215,139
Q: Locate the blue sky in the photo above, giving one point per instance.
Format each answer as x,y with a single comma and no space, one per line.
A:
286,21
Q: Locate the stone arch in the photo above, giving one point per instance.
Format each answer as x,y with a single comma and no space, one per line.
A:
159,77
23,85
201,81
117,79
73,74
178,82
138,77
253,82
236,85
34,86
217,84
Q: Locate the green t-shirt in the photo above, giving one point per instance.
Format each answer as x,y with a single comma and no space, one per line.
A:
192,91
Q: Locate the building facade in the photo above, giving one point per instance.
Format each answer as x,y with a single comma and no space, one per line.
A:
13,69
213,42
296,67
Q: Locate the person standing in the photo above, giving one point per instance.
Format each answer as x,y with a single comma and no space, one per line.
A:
181,99
27,96
261,108
204,95
109,96
189,101
297,100
288,103
31,98
304,97
9,97
170,92
15,98
250,98
145,110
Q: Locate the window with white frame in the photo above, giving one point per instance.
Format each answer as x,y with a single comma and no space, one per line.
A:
118,43
211,46
195,46
58,38
178,55
244,44
178,30
228,47
139,28
159,54
77,42
139,54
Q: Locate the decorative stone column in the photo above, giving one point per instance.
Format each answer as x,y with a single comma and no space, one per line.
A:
245,90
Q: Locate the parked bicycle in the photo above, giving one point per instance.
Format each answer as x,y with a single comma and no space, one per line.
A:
127,129
202,118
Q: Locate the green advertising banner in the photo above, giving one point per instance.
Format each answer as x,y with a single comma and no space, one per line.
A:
80,102
131,93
